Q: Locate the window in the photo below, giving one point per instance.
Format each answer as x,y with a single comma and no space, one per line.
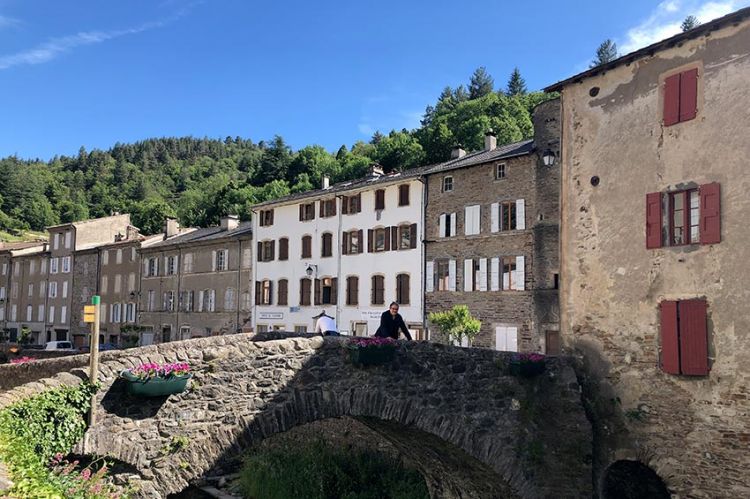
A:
40,313
300,329
379,239
327,245
284,248
53,262
352,290
5,268
132,254
306,212
499,171
187,263
14,311
131,282
105,281
210,297
471,220
380,199
402,289
264,292
116,315
56,243
246,303
377,292
14,290
447,184
29,312
508,215
229,299
447,225
2,293
118,257
51,317
168,302
266,251
351,204
407,236
65,289
262,328
32,267
31,291
351,243
283,292
681,97
118,284
17,268
684,337
152,267
171,265
440,276
105,257
327,208
66,264
326,291
63,314
265,218
506,338
475,274
151,300
130,312
693,216
304,291
306,246
246,258
403,195
513,273
222,258
53,290
187,301
68,238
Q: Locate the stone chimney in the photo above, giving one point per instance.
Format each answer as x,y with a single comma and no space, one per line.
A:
132,232
376,170
171,227
326,182
229,222
490,140
457,152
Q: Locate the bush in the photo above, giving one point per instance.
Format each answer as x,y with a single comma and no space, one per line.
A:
318,471
456,324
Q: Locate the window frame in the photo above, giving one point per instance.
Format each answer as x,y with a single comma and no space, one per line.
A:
376,299
512,218
501,171
404,229
403,194
403,295
375,234
446,185
306,251
326,245
379,199
687,211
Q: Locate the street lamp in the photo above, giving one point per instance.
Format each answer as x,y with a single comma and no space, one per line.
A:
548,157
311,269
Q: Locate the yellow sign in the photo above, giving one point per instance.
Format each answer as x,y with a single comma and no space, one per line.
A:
89,309
88,318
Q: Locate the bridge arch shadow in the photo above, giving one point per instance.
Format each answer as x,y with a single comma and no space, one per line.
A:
529,437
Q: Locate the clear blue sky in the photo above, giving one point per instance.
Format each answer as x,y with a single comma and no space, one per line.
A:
93,73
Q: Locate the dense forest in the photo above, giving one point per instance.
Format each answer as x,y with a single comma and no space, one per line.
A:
199,180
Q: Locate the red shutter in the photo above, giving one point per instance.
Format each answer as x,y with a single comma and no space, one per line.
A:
370,240
672,100
688,94
710,225
693,337
670,356
413,236
653,220
345,243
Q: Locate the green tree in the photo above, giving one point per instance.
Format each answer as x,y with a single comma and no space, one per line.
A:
516,83
456,324
481,83
399,151
689,23
149,215
606,52
316,162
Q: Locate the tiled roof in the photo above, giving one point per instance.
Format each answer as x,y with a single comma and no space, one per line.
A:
477,158
205,234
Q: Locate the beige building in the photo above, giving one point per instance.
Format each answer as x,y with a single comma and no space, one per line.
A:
23,269
654,242
196,282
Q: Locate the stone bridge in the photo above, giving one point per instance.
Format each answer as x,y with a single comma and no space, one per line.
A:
473,430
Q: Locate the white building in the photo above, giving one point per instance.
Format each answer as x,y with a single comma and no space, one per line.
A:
349,249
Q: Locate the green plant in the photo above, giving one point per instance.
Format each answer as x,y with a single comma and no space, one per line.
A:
635,415
456,324
25,337
176,444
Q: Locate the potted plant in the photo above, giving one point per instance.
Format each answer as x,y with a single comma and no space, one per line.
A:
527,364
457,326
157,380
371,351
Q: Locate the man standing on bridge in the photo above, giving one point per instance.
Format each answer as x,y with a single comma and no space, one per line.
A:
391,322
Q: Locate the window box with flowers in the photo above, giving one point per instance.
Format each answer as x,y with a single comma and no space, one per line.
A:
157,380
527,365
371,351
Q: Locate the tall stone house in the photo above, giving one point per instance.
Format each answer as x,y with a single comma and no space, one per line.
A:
654,251
350,249
491,222
196,282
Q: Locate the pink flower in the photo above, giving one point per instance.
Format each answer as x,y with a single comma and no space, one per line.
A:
86,474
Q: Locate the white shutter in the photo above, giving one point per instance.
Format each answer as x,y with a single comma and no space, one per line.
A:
451,275
511,339
520,214
200,301
482,274
441,226
520,277
156,266
495,274
477,218
145,267
176,264
468,220
213,261
468,270
65,290
453,224
166,266
429,277
495,217
212,300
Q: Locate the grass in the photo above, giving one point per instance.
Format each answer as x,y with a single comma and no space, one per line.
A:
21,237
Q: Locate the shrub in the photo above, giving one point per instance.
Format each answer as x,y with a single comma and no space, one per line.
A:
456,324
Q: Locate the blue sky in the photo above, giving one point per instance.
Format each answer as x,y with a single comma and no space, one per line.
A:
94,73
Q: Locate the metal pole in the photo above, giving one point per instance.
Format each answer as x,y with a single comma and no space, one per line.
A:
94,356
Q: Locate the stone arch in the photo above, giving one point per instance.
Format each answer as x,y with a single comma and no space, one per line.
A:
631,479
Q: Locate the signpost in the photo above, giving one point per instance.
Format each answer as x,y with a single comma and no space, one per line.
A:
91,315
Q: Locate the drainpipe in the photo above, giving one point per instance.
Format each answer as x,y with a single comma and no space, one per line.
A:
253,265
339,282
176,301
425,190
238,295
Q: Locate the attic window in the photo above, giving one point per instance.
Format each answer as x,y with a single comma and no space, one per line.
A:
447,184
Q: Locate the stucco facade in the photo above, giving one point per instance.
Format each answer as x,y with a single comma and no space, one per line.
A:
618,150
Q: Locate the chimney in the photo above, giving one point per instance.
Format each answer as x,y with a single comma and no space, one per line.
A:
490,140
326,182
171,227
457,152
230,222
131,232
376,170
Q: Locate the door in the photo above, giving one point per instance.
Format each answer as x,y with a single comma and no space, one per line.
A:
166,334
360,329
185,333
147,338
506,338
552,341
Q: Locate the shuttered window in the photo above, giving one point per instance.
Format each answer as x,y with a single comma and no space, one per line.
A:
327,245
306,246
352,290
284,248
681,97
327,208
307,211
304,291
402,289
380,199
693,216
351,205
403,195
684,337
283,292
377,293
265,218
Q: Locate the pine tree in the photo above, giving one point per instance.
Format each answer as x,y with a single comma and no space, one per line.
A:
606,52
689,23
516,83
481,83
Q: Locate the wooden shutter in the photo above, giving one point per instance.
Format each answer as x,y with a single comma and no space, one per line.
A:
370,240
451,275
387,238
693,337
520,214
272,251
672,100
321,207
405,291
380,289
710,214
334,291
360,238
394,238
482,274
257,293
441,226
670,347
345,243
429,277
519,282
304,291
495,274
260,256
468,274
317,292
494,217
688,94
344,205
380,199
468,219
301,212
333,206
413,236
653,220
453,224
283,292
283,248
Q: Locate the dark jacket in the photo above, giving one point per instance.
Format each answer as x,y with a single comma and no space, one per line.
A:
390,325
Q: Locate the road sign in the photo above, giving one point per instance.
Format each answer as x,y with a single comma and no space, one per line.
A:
89,318
89,309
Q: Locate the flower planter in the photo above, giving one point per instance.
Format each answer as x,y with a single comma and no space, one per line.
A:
527,365
371,356
156,386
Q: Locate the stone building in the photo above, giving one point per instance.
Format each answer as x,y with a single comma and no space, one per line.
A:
491,222
654,243
196,282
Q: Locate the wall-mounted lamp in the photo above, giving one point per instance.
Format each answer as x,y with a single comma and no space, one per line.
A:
311,269
548,157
